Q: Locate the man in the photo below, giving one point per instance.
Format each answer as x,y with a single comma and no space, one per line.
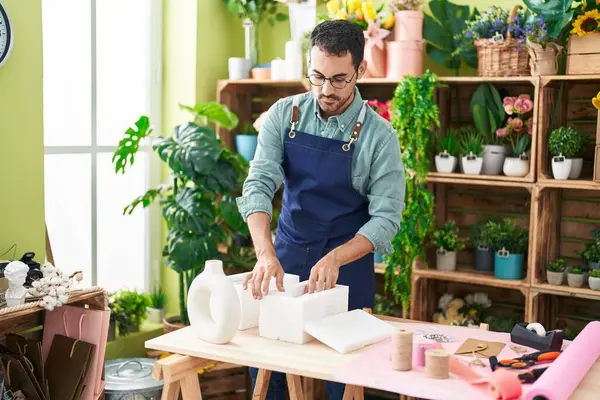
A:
341,166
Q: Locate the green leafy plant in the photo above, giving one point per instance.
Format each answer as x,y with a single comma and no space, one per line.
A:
384,306
557,14
442,32
576,271
471,144
257,10
446,237
506,235
565,141
479,235
594,273
488,112
521,146
198,205
448,144
558,265
128,309
591,251
158,298
415,116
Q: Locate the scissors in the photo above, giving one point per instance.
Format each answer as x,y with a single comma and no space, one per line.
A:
528,360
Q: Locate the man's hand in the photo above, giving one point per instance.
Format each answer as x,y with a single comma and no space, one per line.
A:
324,274
266,268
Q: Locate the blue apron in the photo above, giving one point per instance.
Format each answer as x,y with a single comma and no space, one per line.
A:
321,209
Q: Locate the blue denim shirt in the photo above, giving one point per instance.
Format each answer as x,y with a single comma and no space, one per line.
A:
377,169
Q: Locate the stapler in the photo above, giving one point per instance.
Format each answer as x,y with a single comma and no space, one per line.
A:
549,341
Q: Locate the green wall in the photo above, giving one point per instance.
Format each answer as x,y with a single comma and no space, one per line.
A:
21,135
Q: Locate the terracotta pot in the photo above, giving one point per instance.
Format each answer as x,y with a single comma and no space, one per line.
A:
172,324
404,58
376,61
408,25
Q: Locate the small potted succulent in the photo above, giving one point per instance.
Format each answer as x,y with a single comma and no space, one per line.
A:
447,244
555,272
563,145
481,242
510,244
591,252
576,277
445,160
594,279
471,147
157,310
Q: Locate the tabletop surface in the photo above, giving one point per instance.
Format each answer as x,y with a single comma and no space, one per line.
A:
313,359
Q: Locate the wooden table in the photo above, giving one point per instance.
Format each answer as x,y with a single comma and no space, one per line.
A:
311,360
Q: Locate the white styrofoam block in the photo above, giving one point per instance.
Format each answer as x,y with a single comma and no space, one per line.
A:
250,307
349,331
283,315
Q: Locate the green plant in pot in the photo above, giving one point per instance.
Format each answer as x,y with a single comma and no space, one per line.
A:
564,143
555,272
157,308
576,277
481,243
471,148
447,152
198,204
447,243
510,244
591,251
594,279
129,309
517,163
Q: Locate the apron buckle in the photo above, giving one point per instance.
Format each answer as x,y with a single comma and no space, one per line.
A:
346,146
292,133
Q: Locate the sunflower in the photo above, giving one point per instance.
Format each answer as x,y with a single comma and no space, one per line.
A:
587,23
596,101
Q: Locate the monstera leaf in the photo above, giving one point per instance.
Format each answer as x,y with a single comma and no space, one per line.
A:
129,145
556,13
213,112
188,250
229,211
193,150
443,32
188,211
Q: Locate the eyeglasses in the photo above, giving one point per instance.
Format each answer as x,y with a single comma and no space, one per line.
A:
336,82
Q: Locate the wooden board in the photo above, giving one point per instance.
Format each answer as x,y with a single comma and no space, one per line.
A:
597,165
583,55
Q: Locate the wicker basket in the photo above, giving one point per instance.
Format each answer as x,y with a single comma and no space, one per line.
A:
508,58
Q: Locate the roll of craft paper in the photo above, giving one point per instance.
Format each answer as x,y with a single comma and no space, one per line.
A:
561,378
402,347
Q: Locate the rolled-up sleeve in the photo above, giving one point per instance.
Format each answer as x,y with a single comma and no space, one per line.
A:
265,175
385,191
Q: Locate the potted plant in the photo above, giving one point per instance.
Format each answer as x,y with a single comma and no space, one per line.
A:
563,145
445,160
130,309
481,241
510,244
198,204
245,142
543,51
555,272
591,252
447,243
517,131
157,308
577,160
517,164
471,146
488,114
575,277
594,279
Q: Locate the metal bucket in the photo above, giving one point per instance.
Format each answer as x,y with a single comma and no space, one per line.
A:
131,379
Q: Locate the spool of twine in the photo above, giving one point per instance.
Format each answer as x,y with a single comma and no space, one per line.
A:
402,350
437,363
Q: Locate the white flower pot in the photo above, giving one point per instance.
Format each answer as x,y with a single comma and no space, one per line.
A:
446,260
493,159
515,166
561,167
576,165
156,315
575,280
555,278
594,283
445,164
472,166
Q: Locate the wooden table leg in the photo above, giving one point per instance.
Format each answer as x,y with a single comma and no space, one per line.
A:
353,392
308,387
180,374
262,384
294,384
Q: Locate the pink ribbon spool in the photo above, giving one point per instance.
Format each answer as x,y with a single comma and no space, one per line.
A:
419,350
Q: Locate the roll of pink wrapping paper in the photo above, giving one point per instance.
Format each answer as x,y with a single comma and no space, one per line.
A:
565,373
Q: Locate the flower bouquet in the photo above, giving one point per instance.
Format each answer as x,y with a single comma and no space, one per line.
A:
455,311
381,107
517,132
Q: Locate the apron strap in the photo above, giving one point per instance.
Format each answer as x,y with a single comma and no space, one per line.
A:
356,131
294,116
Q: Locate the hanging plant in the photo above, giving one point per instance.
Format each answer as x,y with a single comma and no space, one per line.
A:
415,115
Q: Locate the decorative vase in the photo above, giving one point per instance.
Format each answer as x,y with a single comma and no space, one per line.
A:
576,166
472,165
593,265
575,280
246,145
446,260
445,163
239,68
376,60
516,166
408,25
404,58
213,305
484,259
251,41
561,167
543,61
156,315
508,266
493,159
555,278
594,283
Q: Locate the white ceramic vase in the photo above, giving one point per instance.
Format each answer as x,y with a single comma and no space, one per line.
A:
561,167
515,166
576,166
446,260
156,315
213,305
493,159
472,165
594,283
445,163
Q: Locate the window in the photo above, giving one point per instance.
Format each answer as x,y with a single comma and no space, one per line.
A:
101,72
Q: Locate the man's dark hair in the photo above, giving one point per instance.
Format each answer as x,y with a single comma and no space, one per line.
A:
338,37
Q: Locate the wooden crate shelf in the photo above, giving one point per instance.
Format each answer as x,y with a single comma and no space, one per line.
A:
567,101
466,273
565,290
480,180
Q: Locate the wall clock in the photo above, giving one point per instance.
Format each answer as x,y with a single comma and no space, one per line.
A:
6,35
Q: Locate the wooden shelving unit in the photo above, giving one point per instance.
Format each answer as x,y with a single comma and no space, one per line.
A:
542,204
